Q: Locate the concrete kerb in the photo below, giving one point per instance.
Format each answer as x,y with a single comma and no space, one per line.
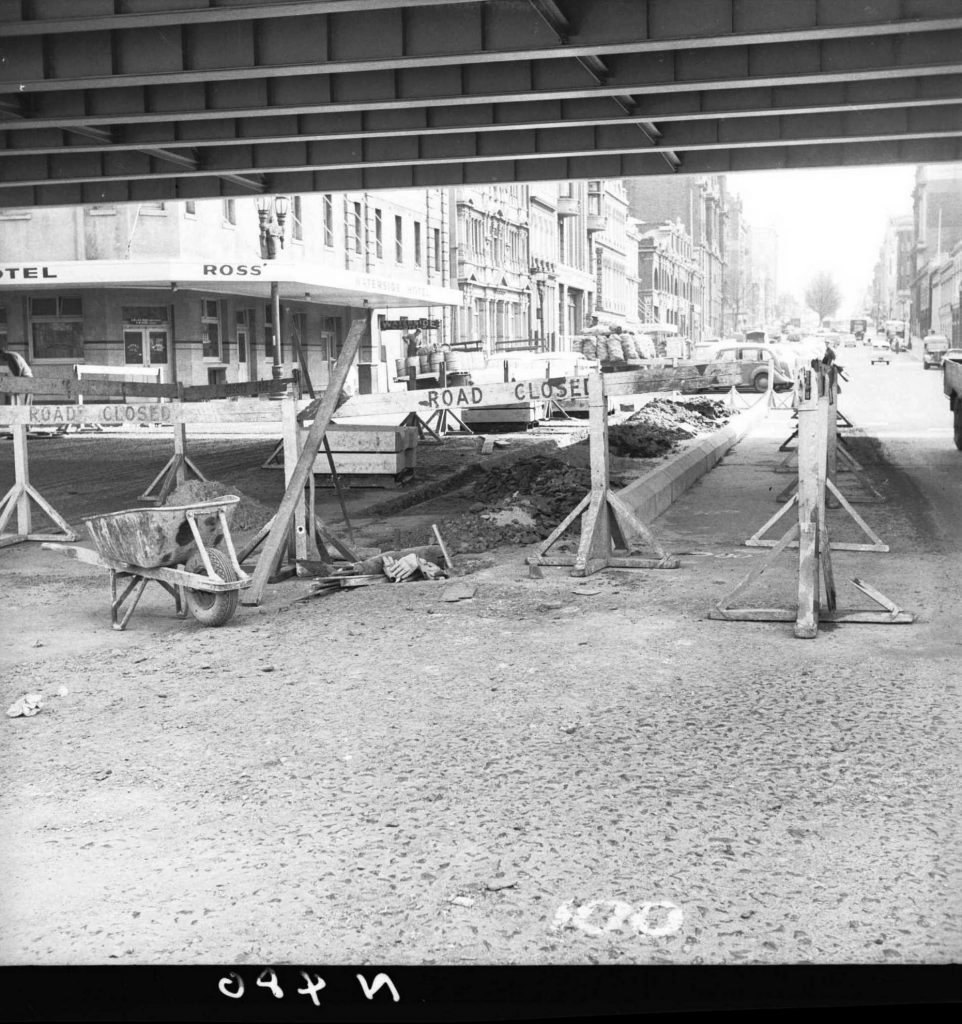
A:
652,493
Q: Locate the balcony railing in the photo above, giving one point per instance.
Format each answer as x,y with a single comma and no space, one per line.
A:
596,222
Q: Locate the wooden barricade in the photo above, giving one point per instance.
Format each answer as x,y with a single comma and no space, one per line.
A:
815,393
609,527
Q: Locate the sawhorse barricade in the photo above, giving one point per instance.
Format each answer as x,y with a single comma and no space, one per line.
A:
609,527
815,391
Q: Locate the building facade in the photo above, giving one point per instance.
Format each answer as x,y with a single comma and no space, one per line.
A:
937,229
669,279
184,288
698,202
489,264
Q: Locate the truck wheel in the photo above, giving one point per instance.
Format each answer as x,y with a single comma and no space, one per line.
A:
208,608
957,423
760,382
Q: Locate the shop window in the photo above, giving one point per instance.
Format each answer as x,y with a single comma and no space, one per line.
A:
210,328
56,327
329,220
378,235
398,240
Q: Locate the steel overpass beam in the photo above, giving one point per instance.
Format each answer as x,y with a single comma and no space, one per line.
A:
693,136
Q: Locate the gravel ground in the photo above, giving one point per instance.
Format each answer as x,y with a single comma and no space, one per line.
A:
551,771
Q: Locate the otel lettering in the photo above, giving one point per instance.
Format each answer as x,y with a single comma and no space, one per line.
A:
26,273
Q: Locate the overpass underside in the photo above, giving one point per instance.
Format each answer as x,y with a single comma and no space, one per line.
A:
107,101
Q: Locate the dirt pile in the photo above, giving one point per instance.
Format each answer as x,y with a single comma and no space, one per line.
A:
520,503
250,514
695,415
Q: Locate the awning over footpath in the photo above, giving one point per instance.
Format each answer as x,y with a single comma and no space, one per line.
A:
312,282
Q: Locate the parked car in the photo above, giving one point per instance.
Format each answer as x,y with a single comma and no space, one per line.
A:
934,347
752,363
847,341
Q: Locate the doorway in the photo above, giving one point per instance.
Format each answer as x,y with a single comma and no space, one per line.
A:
147,346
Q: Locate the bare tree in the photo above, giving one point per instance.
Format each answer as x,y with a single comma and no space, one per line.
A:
823,295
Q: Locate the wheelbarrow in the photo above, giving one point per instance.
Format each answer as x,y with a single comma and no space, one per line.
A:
174,545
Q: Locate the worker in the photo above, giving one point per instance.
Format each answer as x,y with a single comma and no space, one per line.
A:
18,367
412,339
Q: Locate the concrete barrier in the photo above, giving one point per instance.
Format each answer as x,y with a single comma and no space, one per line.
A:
652,493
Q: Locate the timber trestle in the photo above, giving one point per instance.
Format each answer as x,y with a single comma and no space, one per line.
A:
815,399
610,529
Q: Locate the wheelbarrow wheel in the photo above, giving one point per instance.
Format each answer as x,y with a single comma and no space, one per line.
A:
208,608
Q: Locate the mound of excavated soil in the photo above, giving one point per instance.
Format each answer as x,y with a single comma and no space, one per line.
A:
250,514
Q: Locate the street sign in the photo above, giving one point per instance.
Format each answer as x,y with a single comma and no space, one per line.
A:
403,324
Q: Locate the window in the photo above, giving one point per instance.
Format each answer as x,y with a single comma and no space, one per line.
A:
210,328
331,340
56,327
378,235
417,243
3,326
190,208
229,211
357,225
437,248
297,224
153,209
328,220
398,240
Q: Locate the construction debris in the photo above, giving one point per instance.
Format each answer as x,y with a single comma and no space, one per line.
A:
28,705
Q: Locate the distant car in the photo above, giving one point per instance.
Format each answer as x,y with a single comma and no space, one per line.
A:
934,347
847,340
881,349
752,364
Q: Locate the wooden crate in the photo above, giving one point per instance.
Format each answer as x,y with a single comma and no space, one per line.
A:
368,450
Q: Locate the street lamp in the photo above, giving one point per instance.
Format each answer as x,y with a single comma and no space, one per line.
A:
272,215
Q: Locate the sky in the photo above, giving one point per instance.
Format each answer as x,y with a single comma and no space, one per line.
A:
829,219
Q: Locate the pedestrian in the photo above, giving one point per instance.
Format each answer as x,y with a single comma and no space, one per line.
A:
18,367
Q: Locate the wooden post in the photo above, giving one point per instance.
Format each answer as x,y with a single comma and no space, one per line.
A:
291,430
595,545
21,475
273,547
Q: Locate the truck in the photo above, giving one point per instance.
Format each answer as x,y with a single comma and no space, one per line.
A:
952,386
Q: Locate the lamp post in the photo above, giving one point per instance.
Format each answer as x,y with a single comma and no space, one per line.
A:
539,278
272,215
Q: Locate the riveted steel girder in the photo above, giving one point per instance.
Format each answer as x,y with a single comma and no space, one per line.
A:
127,100
469,147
